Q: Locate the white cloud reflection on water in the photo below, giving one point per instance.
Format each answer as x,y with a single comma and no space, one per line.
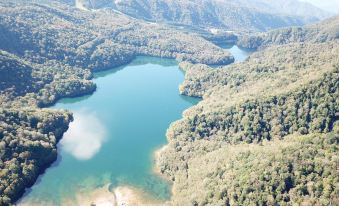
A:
85,135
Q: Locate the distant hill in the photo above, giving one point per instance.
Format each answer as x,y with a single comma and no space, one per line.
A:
238,15
320,32
240,133
95,40
259,136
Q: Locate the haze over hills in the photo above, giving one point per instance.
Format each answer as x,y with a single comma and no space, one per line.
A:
330,6
235,15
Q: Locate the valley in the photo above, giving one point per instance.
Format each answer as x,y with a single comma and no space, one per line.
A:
151,102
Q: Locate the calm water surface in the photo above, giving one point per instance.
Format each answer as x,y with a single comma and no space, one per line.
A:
238,53
116,131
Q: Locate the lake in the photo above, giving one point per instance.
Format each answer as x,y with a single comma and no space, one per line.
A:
115,133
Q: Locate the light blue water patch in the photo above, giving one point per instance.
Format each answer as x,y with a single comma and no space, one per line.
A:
239,54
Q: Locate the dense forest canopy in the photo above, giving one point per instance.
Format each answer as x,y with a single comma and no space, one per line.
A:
28,140
248,131
98,40
326,30
310,107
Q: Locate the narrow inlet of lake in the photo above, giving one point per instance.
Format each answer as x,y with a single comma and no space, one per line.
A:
239,54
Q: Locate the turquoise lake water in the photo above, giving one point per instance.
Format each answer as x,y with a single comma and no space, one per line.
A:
239,54
115,132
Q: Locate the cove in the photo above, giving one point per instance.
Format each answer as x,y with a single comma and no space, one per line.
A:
115,133
239,54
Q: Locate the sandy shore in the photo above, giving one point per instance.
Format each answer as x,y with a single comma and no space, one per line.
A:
120,196
128,196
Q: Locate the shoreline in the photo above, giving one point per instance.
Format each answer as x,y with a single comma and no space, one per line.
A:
124,195
89,92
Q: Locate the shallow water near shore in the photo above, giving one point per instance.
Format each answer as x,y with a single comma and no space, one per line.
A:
115,133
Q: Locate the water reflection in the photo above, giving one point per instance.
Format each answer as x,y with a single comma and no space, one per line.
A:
139,61
85,135
142,60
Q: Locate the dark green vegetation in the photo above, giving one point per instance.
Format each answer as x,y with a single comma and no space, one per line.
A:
236,15
265,176
278,67
248,132
25,83
300,170
28,140
321,32
95,40
311,109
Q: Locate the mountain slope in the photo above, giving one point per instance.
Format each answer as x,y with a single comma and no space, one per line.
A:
28,139
227,150
237,15
326,30
297,170
96,40
275,101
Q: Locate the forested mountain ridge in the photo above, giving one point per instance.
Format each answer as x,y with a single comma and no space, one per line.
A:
297,170
326,30
214,126
278,66
28,134
15,76
281,91
236,15
95,40
27,84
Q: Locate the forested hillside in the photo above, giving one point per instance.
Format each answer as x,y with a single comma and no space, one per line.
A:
28,140
236,15
326,30
95,40
277,66
26,84
237,132
299,170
